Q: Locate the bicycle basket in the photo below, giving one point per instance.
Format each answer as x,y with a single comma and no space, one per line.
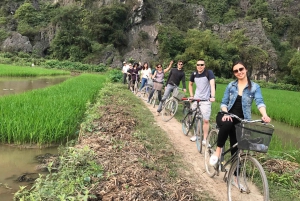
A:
150,82
177,94
254,136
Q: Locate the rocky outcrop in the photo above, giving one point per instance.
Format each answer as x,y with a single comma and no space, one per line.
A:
16,43
279,7
43,39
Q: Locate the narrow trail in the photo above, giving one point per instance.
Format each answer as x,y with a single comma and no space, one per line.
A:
216,187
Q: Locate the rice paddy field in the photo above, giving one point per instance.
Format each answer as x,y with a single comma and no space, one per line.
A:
21,71
49,115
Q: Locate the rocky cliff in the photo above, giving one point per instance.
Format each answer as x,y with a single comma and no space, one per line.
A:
147,49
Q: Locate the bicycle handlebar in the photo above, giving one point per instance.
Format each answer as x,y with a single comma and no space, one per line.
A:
193,99
245,120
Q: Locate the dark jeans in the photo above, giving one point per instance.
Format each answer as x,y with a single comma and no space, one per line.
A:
151,94
227,128
124,78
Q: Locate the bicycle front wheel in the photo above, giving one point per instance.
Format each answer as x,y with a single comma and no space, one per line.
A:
199,134
143,93
136,87
186,123
248,182
169,109
210,148
154,98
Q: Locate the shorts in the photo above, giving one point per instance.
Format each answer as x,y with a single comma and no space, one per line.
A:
205,108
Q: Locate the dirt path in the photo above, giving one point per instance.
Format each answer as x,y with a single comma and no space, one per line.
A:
216,187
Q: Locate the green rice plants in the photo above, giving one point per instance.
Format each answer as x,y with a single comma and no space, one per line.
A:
21,71
49,115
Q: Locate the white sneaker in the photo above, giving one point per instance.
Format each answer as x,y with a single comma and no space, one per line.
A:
213,160
194,138
204,143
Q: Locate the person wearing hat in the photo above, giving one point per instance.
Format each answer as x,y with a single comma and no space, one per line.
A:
124,71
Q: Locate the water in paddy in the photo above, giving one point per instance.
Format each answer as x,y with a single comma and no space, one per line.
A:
15,162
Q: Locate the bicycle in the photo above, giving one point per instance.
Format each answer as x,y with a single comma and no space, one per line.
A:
129,81
170,106
246,179
144,92
136,83
194,119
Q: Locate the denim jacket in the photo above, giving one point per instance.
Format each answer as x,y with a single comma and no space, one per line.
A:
231,94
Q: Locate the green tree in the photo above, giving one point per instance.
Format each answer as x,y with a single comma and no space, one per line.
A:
107,25
171,41
294,65
70,42
205,45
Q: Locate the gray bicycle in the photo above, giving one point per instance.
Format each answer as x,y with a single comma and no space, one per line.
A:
246,178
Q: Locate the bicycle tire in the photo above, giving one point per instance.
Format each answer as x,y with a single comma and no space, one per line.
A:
198,131
154,98
143,93
136,87
253,179
169,109
186,123
186,109
211,146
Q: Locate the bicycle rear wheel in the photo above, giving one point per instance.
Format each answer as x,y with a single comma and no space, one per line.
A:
186,123
210,148
199,134
169,109
250,184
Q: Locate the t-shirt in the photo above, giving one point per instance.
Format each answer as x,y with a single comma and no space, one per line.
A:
176,76
146,73
125,68
202,84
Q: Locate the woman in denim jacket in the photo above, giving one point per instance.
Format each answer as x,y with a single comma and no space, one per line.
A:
237,99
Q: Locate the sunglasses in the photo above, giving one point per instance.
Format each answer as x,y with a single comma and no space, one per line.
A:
200,64
158,66
180,64
237,70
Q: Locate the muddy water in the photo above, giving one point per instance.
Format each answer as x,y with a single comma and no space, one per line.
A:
15,161
18,85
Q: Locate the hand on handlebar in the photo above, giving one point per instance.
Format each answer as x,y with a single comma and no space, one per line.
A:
266,119
226,118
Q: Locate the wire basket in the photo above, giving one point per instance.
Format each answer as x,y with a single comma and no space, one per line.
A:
177,94
150,82
254,136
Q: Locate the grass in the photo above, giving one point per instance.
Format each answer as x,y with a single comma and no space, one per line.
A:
49,115
147,133
20,71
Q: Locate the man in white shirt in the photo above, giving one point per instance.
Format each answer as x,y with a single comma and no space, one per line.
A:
124,71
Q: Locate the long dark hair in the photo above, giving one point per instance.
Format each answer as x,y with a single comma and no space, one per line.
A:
144,65
248,78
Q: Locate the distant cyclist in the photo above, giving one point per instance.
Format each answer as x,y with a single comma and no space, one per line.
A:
158,80
145,74
134,72
176,75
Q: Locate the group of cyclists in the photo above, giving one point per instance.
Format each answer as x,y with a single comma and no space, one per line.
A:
238,96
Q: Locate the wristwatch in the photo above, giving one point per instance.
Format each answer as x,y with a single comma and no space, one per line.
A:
212,97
